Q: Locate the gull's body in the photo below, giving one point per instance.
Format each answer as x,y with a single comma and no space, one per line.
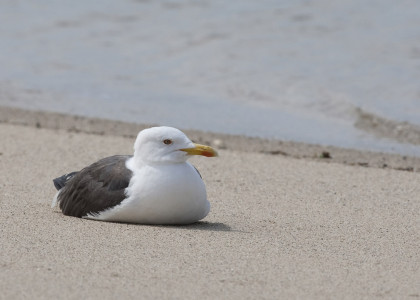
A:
154,186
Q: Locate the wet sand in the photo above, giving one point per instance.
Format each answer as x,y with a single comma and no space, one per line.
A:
328,154
283,224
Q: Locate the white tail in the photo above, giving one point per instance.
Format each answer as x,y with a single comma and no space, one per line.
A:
55,200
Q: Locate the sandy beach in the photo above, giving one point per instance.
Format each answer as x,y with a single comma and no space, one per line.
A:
284,224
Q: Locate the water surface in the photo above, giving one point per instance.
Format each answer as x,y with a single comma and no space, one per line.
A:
293,70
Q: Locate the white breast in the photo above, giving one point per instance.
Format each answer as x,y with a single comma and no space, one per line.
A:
161,194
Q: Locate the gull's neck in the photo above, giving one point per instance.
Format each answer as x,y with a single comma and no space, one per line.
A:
136,163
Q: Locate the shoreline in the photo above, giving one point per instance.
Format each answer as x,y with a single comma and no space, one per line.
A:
300,150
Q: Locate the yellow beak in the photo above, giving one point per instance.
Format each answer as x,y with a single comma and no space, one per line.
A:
201,150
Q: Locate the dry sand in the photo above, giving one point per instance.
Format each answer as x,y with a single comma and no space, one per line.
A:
280,227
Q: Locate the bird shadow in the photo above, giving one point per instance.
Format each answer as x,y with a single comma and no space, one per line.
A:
200,225
204,225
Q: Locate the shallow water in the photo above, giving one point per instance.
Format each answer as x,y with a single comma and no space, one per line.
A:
294,70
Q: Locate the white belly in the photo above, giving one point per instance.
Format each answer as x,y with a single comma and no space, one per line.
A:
161,194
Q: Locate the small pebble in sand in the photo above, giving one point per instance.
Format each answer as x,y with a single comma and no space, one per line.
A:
218,143
325,154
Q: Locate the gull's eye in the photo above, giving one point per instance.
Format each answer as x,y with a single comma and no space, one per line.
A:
167,142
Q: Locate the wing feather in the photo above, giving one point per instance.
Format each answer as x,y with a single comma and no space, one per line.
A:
96,187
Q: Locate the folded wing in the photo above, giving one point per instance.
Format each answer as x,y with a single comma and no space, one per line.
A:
96,187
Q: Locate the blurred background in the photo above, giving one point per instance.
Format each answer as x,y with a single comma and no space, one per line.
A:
343,73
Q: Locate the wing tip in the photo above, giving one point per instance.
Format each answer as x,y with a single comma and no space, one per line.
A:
61,181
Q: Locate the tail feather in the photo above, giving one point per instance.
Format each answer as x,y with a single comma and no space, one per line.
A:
61,181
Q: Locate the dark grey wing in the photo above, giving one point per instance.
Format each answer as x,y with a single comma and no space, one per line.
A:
96,187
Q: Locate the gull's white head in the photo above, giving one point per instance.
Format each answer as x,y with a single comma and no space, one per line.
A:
167,145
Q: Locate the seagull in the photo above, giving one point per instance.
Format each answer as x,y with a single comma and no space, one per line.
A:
156,185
